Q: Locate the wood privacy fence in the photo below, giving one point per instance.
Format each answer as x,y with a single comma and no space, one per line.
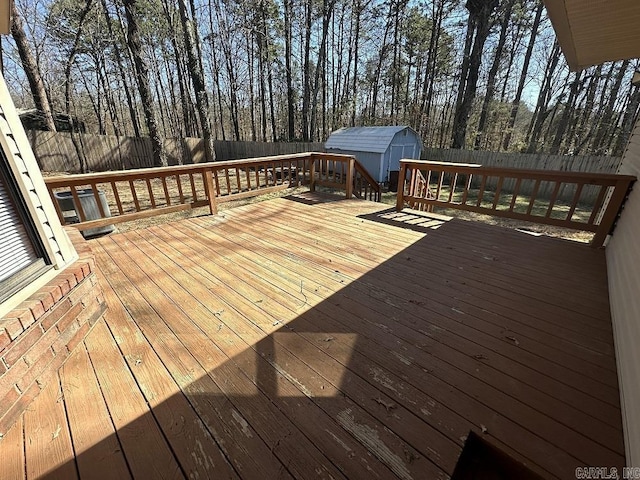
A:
526,161
55,151
228,150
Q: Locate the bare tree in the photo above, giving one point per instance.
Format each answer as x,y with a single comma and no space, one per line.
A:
142,77
31,69
480,12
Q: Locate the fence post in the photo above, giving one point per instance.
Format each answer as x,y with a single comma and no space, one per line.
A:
402,175
350,175
611,213
211,192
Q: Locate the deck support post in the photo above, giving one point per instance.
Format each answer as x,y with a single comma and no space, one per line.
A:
312,173
402,176
350,176
210,191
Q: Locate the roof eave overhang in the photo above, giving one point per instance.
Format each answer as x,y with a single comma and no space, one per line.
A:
591,32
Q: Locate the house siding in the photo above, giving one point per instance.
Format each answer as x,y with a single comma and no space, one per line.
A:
25,168
623,269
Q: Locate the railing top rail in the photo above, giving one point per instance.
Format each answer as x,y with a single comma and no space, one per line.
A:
85,178
363,171
123,175
517,172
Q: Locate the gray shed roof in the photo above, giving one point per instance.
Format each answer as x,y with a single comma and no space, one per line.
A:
363,139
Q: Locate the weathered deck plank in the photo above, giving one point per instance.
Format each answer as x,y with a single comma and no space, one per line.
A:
13,463
48,448
95,442
143,443
319,338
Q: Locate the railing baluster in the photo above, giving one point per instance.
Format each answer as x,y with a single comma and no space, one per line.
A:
226,176
534,193
574,202
481,191
514,196
116,195
134,194
238,181
440,182
597,206
151,197
496,197
194,194
552,200
452,188
166,191
412,183
96,196
246,171
179,185
56,205
467,187
216,181
78,204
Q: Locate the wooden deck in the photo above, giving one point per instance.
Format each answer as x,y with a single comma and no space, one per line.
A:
303,337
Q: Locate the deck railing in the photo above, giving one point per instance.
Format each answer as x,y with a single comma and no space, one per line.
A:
513,193
127,195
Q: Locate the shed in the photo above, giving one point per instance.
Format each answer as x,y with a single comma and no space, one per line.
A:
378,149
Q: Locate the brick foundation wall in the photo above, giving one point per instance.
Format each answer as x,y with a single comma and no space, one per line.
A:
39,335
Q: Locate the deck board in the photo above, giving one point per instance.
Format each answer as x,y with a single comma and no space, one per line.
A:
95,443
309,337
48,449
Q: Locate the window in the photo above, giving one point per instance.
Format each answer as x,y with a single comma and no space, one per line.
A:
22,257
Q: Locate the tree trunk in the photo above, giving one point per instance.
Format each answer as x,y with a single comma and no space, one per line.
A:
559,137
31,69
291,133
142,77
523,77
628,121
77,142
357,6
479,14
606,122
117,53
493,71
306,72
191,41
327,12
542,110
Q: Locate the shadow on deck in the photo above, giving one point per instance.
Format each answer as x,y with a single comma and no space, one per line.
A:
317,338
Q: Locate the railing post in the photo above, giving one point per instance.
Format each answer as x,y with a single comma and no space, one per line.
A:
611,213
211,192
402,175
312,173
350,175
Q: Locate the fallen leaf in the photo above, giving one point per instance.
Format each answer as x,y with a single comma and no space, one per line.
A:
513,339
57,432
387,405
